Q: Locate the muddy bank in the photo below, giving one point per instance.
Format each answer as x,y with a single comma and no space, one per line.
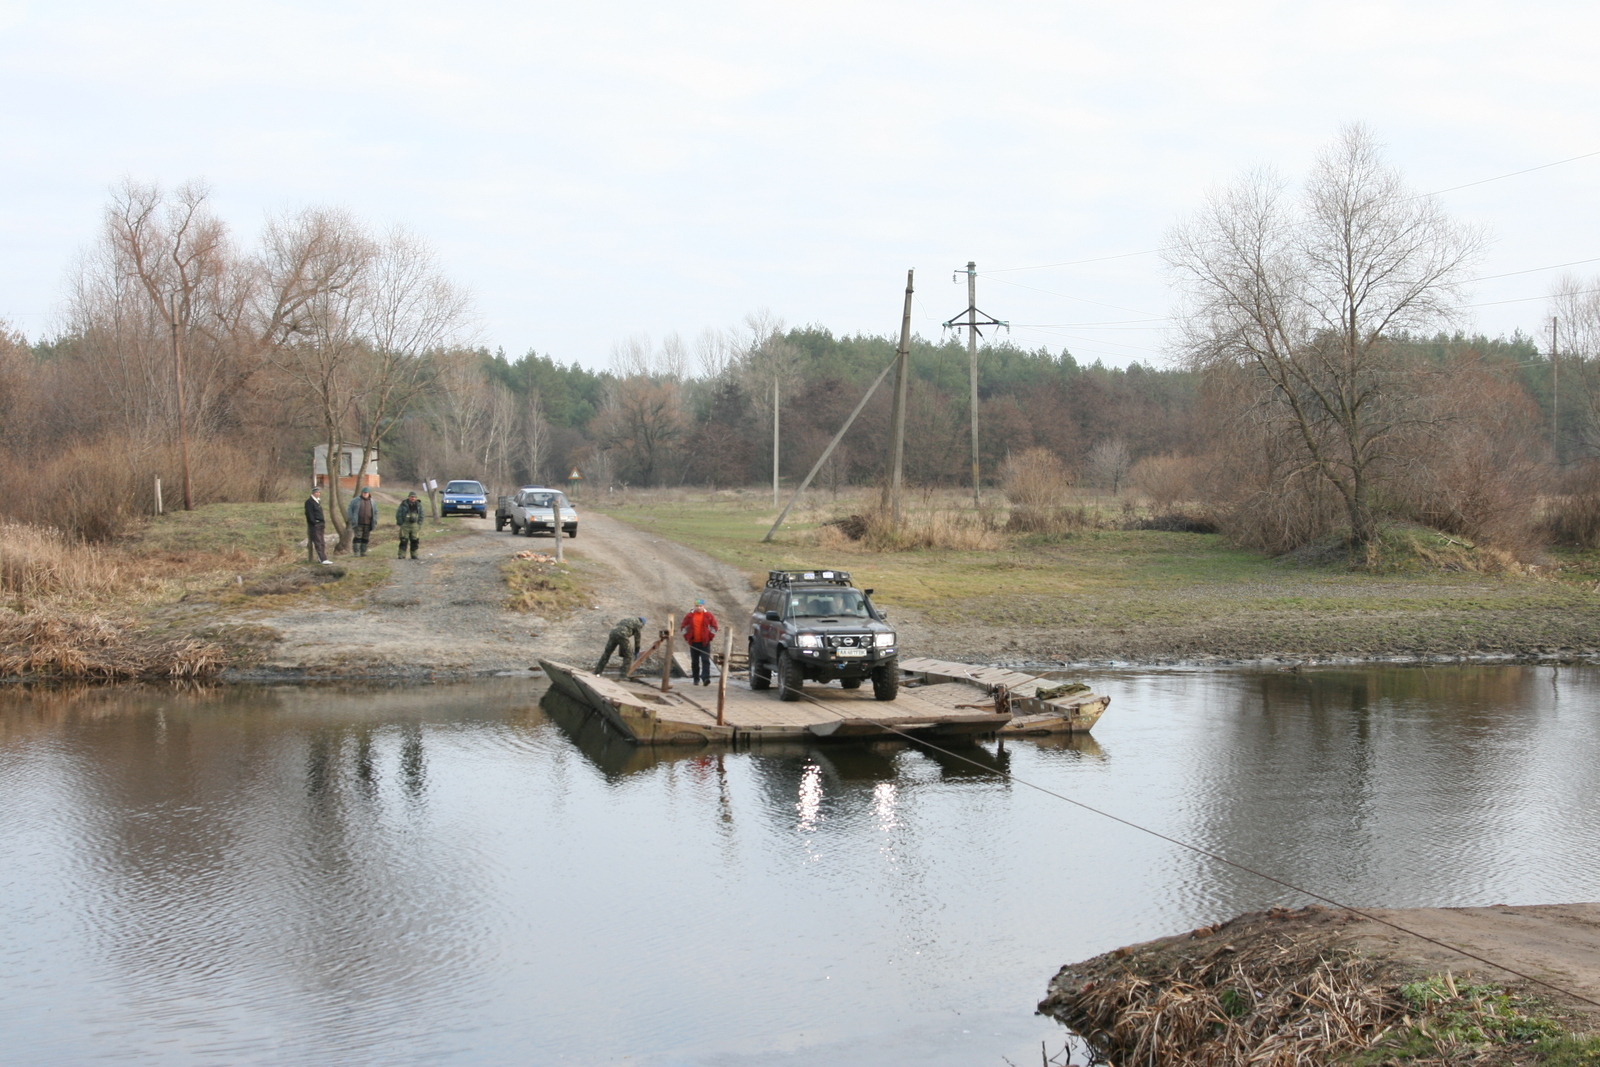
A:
1319,986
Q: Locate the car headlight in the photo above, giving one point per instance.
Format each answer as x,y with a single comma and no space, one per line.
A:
808,641
883,640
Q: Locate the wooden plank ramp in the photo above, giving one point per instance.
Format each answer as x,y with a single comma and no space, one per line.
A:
943,700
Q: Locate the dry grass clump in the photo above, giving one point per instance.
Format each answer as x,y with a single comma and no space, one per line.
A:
1275,1002
538,584
87,646
938,528
37,562
1278,990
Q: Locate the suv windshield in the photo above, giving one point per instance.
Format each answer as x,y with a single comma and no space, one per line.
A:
827,604
463,487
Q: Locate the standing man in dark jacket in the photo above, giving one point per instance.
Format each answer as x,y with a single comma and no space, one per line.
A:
699,627
363,515
409,519
617,640
316,524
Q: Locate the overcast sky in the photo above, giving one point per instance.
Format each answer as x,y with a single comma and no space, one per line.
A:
599,170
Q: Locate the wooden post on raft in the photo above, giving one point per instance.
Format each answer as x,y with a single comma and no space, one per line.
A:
666,660
722,677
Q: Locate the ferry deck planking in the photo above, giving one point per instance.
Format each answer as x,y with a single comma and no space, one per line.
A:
938,700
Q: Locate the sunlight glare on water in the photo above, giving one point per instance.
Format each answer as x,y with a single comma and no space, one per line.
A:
457,874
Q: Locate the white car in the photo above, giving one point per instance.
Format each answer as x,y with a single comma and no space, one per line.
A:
533,511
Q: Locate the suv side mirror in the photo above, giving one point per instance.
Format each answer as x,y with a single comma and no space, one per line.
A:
884,615
773,616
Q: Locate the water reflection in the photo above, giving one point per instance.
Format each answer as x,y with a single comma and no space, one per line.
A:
458,874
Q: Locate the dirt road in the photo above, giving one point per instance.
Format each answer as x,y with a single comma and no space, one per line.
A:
444,614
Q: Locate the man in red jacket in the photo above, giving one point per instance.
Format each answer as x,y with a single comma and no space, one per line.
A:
699,627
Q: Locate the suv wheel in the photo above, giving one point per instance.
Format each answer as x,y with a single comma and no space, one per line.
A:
886,682
760,675
790,678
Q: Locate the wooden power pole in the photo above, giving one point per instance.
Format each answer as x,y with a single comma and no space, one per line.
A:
972,324
897,430
183,428
774,437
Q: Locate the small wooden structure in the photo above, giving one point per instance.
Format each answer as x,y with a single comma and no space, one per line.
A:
349,460
941,701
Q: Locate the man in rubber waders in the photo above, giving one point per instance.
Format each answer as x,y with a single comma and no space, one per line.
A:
625,629
699,627
409,518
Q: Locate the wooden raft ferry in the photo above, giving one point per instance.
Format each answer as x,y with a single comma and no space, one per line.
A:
938,700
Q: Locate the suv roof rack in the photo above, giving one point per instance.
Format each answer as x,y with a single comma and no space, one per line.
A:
783,579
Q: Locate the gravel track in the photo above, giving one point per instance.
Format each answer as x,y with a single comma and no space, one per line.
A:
443,615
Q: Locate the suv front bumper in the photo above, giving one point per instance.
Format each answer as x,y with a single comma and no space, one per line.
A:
825,663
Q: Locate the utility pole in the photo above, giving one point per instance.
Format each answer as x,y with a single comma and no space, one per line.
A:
183,428
897,431
774,437
972,324
1555,393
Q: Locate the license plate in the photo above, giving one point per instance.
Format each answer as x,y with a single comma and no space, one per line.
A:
848,653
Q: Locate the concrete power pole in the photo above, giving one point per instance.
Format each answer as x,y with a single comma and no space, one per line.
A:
972,324
774,438
1555,394
897,430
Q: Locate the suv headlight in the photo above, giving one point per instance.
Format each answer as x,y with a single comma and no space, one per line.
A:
808,641
883,640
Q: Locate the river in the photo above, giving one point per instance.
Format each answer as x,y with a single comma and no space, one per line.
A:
457,874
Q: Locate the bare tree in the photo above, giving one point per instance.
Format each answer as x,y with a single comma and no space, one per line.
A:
1109,462
1575,305
535,436
362,328
1309,293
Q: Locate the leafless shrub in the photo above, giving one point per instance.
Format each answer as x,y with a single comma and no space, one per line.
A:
1573,517
1165,480
1036,483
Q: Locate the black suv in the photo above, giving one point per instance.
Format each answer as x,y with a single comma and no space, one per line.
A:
812,624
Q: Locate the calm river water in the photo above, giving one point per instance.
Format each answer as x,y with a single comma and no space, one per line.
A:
455,874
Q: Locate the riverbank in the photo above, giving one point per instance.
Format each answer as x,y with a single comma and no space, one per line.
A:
1321,986
225,589
1100,595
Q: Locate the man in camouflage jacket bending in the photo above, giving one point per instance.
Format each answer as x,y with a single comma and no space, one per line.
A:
617,640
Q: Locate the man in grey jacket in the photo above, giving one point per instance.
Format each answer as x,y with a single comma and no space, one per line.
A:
363,515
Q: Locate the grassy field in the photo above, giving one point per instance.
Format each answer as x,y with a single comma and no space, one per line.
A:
1104,592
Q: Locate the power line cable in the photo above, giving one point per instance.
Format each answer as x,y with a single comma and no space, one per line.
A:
1436,192
1209,854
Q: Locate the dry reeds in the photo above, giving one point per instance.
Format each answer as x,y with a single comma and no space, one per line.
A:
86,646
1271,1001
37,562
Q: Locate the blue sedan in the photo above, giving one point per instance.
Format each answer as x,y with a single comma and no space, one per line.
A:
464,497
